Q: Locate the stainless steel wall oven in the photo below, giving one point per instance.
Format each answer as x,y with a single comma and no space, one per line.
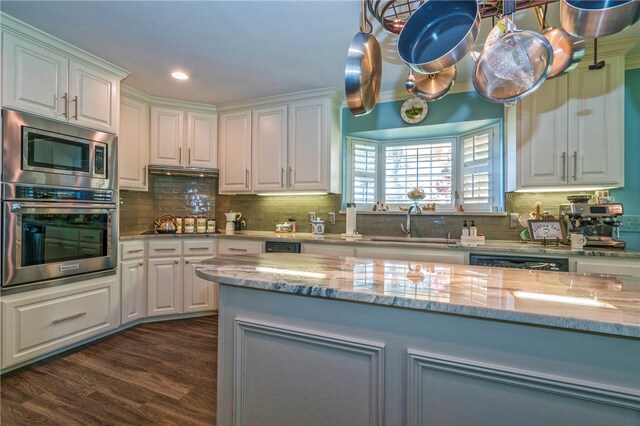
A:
59,209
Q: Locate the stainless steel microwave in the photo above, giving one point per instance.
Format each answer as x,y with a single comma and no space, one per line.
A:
40,151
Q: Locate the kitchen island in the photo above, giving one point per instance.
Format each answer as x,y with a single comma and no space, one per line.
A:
307,339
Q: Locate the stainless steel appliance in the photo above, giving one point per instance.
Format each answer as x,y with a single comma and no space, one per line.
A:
597,222
59,211
39,151
282,247
520,262
55,235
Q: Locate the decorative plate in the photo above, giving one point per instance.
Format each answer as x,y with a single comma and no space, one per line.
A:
414,110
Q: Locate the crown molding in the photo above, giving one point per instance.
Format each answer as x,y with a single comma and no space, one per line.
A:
329,92
130,92
632,62
36,36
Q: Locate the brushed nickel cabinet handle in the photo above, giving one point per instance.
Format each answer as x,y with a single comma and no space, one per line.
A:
575,165
180,155
75,100
70,317
65,97
290,176
237,249
188,155
564,166
246,178
282,177
144,176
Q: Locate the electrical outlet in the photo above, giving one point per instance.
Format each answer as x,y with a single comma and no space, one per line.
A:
312,216
332,218
513,220
629,223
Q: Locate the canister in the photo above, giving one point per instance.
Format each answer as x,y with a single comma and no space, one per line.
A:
189,225
211,226
179,225
201,224
317,227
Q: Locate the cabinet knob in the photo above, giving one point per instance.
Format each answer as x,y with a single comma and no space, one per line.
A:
176,261
186,261
141,263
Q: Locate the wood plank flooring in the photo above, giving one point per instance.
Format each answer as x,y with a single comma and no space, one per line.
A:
161,373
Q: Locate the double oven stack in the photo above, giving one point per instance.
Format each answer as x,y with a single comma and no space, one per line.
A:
59,202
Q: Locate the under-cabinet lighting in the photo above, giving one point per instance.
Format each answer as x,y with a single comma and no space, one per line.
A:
291,272
571,300
566,189
178,75
271,194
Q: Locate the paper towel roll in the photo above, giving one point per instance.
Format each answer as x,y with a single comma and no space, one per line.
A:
351,220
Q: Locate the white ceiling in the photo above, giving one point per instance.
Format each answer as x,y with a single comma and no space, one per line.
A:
234,50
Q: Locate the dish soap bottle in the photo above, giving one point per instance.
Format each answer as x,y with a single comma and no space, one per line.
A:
465,229
473,231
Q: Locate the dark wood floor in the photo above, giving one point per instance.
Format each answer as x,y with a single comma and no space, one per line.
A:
160,373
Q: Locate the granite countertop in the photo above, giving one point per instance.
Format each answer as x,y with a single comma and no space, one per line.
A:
491,246
591,303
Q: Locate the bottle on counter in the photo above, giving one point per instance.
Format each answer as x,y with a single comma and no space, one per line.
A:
292,224
473,231
465,229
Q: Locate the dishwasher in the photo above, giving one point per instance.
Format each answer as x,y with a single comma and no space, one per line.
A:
281,247
520,262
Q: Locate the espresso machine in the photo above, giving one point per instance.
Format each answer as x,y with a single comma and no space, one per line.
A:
597,222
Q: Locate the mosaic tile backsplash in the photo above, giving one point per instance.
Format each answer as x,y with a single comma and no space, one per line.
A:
182,196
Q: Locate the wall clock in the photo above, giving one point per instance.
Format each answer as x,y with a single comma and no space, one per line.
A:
414,110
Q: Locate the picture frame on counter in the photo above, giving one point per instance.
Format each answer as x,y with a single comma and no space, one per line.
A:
546,230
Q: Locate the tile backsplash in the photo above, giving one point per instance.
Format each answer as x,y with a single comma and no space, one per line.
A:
185,196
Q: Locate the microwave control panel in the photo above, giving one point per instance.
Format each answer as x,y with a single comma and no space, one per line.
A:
100,161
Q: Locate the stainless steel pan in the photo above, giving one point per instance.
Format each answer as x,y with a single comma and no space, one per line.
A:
598,18
568,50
439,34
431,87
363,72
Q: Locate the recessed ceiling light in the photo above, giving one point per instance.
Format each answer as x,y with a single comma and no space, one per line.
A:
179,75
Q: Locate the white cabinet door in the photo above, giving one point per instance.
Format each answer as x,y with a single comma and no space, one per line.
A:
34,79
234,144
412,254
308,145
133,144
202,140
596,133
167,137
132,286
164,286
269,149
328,249
93,98
198,294
542,135
629,267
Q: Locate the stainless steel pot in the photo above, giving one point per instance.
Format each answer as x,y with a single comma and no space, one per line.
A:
431,87
598,18
363,72
568,50
439,34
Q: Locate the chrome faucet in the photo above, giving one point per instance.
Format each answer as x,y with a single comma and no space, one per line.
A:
414,208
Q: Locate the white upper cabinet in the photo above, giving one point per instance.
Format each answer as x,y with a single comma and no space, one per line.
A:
133,144
288,146
183,137
235,152
570,131
45,76
269,148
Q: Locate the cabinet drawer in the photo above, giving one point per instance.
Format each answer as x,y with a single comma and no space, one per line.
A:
41,321
90,236
228,246
198,247
132,250
629,267
165,248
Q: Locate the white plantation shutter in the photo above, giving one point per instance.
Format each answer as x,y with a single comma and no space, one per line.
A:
426,165
477,173
364,155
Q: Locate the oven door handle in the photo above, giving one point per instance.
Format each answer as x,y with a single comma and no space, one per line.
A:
15,207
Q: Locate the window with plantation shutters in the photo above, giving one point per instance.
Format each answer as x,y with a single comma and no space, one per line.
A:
469,164
476,168
364,160
427,165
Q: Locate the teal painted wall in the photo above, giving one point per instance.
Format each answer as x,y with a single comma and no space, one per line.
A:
467,106
630,194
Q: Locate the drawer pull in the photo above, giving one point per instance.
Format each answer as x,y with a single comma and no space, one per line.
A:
70,317
198,248
135,251
164,249
237,249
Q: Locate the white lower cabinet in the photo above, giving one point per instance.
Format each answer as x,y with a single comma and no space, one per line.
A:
133,283
629,267
412,254
328,249
172,285
40,321
227,246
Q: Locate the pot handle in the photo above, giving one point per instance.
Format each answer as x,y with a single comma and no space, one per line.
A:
365,19
509,7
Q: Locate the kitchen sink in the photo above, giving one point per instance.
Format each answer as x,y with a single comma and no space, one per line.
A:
435,241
